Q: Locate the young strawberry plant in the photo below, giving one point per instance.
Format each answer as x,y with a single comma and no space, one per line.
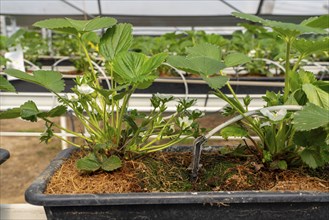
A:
286,138
113,131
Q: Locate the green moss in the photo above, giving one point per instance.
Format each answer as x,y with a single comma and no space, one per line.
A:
165,175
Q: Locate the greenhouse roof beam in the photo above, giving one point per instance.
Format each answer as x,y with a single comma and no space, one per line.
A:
229,5
77,8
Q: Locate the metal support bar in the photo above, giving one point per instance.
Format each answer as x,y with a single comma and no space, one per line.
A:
196,156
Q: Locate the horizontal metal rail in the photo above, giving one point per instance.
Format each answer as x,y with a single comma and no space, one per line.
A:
37,134
141,102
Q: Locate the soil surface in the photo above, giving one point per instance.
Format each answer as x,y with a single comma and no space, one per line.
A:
29,157
168,172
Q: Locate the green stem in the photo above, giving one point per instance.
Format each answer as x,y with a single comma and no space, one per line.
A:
237,108
163,146
259,150
67,141
112,97
84,120
297,63
122,111
93,74
287,72
67,130
275,142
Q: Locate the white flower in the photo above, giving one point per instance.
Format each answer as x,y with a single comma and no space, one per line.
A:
184,122
172,128
275,116
72,97
85,89
252,53
265,124
162,96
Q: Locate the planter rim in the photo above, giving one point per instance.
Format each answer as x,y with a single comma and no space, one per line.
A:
4,155
34,194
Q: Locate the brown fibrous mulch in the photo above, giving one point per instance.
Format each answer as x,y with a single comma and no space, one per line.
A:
167,172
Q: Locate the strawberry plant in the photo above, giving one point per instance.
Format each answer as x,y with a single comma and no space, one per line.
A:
113,131
286,138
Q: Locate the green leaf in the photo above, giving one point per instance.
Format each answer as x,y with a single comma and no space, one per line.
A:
136,68
306,77
29,111
201,65
5,85
88,163
317,22
311,157
216,82
55,112
299,79
283,28
3,61
56,24
307,47
47,134
12,39
282,165
181,63
233,130
116,40
204,50
324,85
74,26
154,62
145,84
50,80
10,113
279,164
111,163
311,117
205,65
90,37
248,17
235,59
99,23
272,98
298,97
119,96
315,137
316,95
131,122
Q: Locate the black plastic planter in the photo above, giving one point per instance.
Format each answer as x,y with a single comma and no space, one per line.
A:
166,87
176,87
4,155
181,205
